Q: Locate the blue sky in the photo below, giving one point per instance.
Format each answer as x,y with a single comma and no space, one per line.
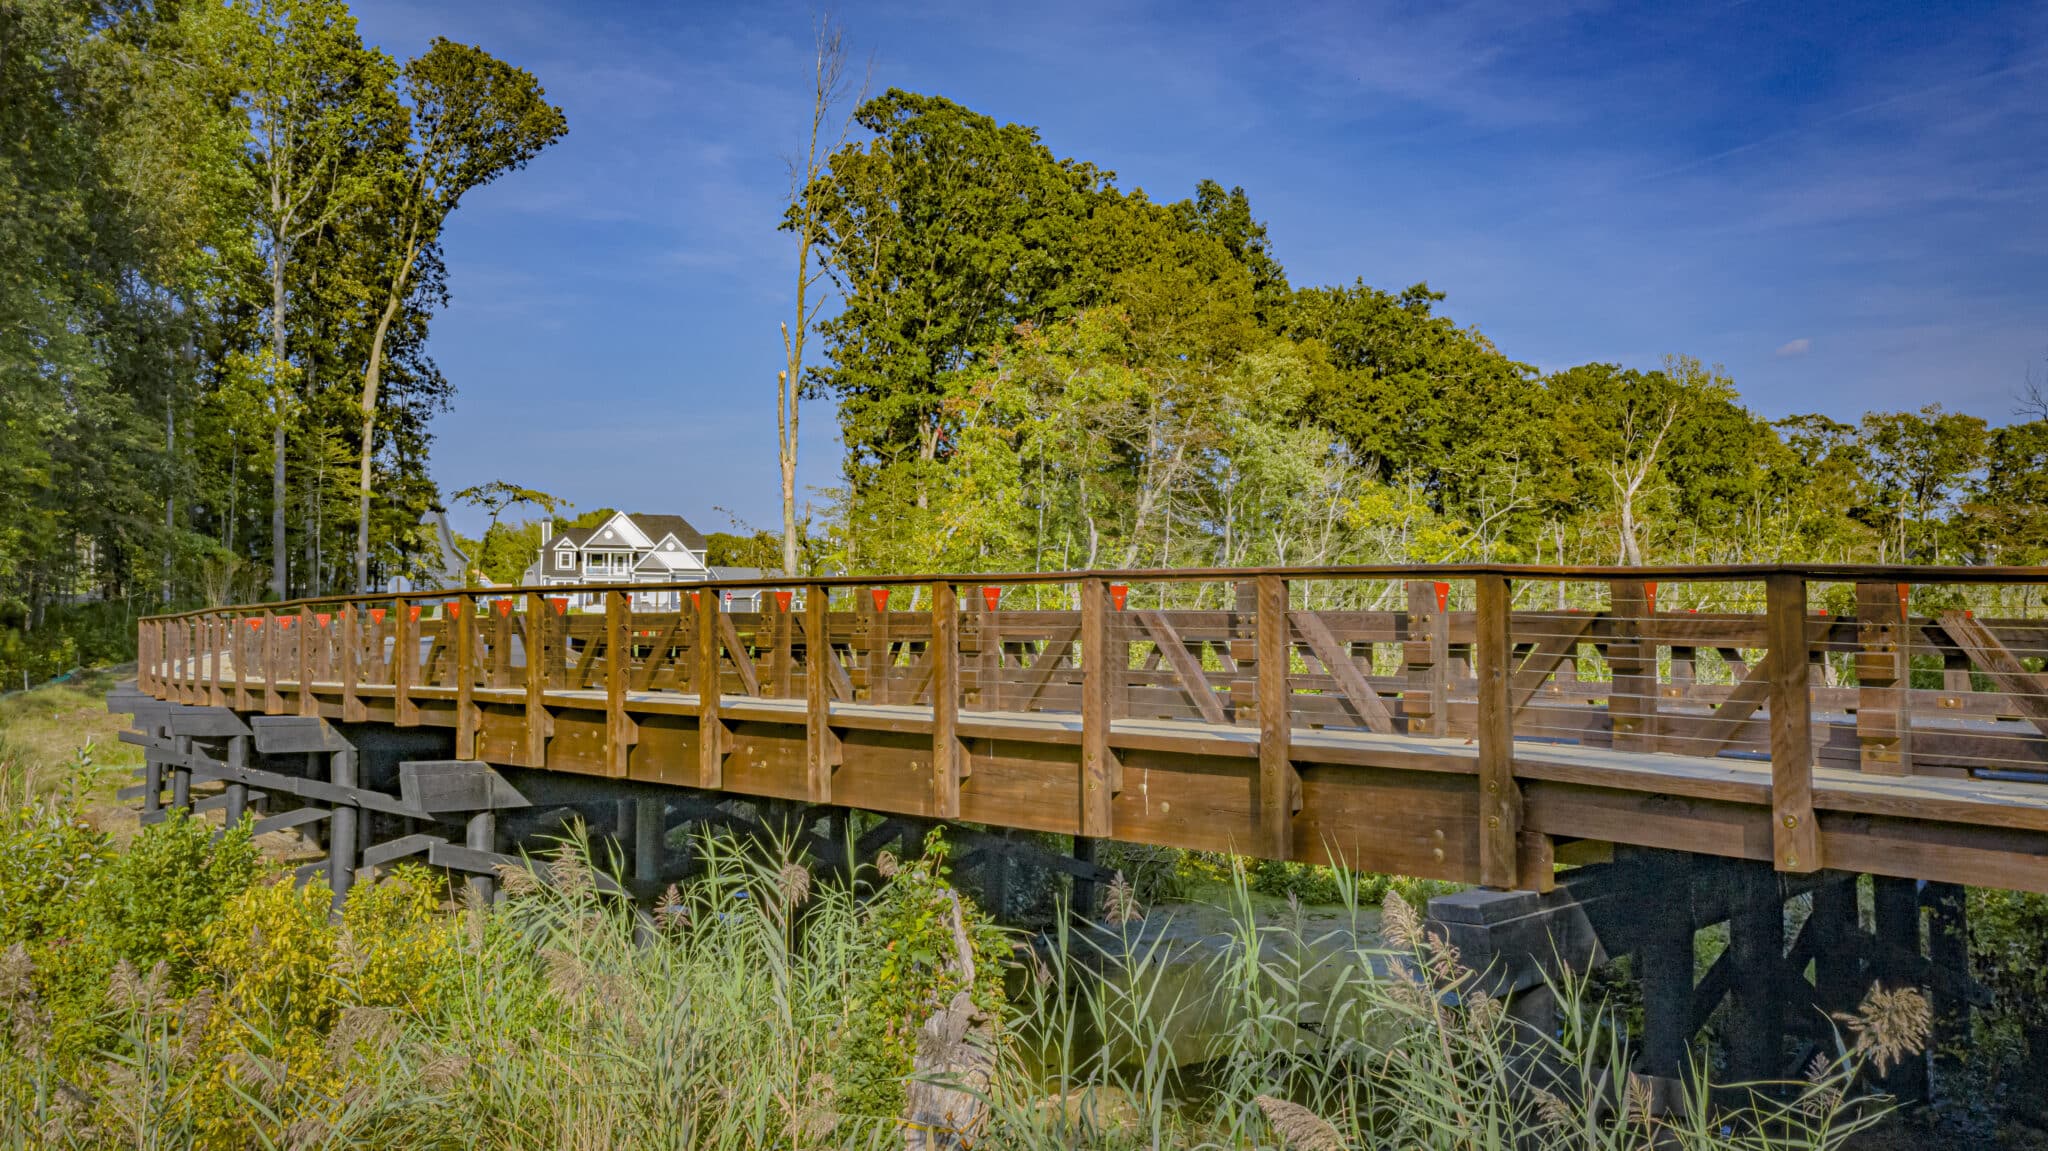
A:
1845,205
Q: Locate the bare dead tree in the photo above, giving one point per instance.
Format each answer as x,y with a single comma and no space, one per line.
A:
1630,473
829,101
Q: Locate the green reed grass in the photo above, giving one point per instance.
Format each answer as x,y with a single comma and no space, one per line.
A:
568,1020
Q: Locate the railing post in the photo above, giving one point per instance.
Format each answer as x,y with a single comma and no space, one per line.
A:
712,739
216,643
620,733
1244,652
538,614
242,647
1795,836
405,670
1500,798
352,710
949,755
305,654
1279,786
1099,767
180,690
1426,651
273,657
1884,723
821,743
774,636
461,613
1632,698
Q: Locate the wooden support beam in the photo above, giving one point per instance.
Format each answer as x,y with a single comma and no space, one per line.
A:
216,651
1547,656
1425,652
1279,788
1884,722
2027,691
714,740
1500,797
1948,954
455,786
1244,653
304,676
1664,962
352,709
539,725
405,662
620,732
461,613
1099,765
1187,667
1795,837
273,663
1350,681
777,680
821,742
988,651
1895,906
876,652
736,651
950,765
344,828
1632,700
1756,949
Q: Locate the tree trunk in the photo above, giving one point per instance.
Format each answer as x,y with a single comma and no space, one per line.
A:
789,513
372,377
279,561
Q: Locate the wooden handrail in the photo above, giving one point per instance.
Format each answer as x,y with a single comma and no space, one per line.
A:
1695,573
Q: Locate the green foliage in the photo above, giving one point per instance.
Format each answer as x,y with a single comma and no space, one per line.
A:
2009,950
49,858
153,901
765,1010
1308,882
907,966
1039,370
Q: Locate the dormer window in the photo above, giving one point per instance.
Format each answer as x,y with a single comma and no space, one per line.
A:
565,559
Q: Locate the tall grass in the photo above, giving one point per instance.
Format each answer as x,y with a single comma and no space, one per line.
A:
562,1018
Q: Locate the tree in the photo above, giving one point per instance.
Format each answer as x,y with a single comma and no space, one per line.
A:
497,496
473,119
804,216
1917,467
941,233
316,101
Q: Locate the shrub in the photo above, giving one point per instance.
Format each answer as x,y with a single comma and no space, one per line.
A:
157,898
907,968
396,949
49,858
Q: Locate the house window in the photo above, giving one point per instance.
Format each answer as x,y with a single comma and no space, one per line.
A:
565,559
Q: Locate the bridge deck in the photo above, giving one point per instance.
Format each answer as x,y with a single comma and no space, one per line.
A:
1474,745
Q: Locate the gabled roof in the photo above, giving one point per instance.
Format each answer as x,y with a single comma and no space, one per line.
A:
573,536
668,561
657,526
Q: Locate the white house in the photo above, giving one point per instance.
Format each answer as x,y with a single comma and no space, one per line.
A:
634,547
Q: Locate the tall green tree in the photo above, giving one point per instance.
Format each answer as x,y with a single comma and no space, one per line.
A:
473,118
318,104
943,231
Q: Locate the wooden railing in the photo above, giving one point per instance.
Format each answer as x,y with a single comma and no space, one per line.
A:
1907,672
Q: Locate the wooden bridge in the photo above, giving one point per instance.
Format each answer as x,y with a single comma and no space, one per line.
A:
1471,723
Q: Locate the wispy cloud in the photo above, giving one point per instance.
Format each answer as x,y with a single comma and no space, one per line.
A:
1792,348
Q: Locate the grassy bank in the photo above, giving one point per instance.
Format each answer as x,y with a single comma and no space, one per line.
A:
761,1006
60,738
